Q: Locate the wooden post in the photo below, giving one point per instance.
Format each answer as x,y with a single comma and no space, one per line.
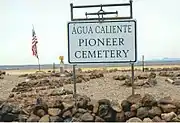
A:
53,68
143,63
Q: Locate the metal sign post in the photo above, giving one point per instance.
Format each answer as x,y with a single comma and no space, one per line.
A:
132,65
74,81
99,54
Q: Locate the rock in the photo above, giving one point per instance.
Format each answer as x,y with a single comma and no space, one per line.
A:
98,119
32,77
2,73
177,103
55,119
77,115
120,116
69,119
116,106
168,116
139,83
128,82
23,75
134,107
54,111
111,116
58,92
11,95
175,119
82,101
1,77
136,98
95,75
40,113
33,118
176,82
154,111
81,110
119,77
79,80
152,75
104,102
6,108
157,119
68,105
142,76
129,114
95,107
167,108
166,100
58,104
45,118
151,82
105,110
134,119
9,117
67,114
87,117
166,74
126,106
148,100
55,74
76,119
147,120
142,112
22,118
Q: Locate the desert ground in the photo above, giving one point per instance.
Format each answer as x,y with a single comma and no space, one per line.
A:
24,86
105,87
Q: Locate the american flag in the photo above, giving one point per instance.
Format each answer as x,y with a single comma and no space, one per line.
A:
34,43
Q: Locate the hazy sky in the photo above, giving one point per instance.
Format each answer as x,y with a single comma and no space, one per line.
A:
157,28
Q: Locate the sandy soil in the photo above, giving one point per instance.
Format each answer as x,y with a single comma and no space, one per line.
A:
7,84
113,89
104,87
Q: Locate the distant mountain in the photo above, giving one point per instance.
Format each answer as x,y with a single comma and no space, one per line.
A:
171,59
166,59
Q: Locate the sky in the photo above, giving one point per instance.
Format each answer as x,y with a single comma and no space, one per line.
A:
158,24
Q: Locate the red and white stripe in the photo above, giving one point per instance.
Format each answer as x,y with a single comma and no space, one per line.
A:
34,43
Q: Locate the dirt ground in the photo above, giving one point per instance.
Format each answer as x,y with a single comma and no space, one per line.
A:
105,87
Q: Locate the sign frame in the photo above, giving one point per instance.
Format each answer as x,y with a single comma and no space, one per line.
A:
135,41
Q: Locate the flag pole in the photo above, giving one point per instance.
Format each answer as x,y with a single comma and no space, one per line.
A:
39,64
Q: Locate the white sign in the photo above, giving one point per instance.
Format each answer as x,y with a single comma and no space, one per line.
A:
106,42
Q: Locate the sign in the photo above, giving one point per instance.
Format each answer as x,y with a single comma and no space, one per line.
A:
106,42
61,58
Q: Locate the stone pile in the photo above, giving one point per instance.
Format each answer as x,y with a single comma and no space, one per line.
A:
2,73
146,80
62,109
52,80
137,108
162,69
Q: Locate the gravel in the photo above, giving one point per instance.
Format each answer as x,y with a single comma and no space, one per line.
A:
104,87
112,89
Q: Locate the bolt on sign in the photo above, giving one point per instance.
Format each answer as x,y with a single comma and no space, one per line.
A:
61,58
106,42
